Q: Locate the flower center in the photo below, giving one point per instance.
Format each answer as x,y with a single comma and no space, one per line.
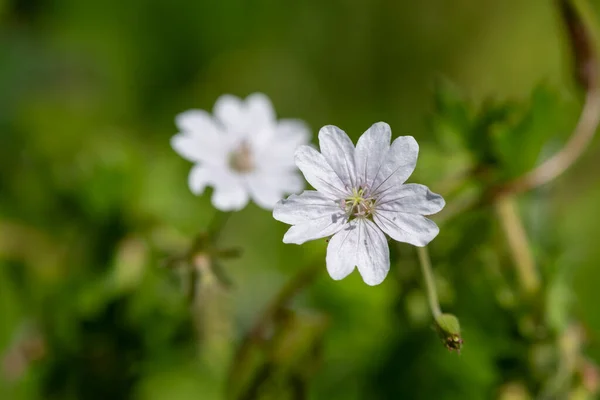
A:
358,205
241,160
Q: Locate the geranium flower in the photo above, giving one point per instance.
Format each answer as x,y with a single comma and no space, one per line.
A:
242,151
360,197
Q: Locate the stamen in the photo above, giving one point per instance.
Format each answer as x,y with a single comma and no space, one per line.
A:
358,205
241,159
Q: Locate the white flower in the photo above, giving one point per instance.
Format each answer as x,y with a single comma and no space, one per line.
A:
242,152
360,196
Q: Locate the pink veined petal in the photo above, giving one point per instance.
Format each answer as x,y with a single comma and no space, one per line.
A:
338,150
305,207
411,198
359,243
317,229
398,165
371,149
319,173
313,215
408,228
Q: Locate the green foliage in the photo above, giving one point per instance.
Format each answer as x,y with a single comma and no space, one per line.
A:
94,203
505,139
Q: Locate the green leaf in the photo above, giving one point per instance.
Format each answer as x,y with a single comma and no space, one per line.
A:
519,145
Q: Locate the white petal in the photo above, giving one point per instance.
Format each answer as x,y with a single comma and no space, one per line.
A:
338,150
341,252
371,150
398,164
305,207
278,151
195,121
229,192
200,139
206,149
230,112
294,131
187,147
314,216
317,229
319,173
408,228
291,182
360,243
259,111
253,117
267,189
199,178
374,258
411,198
265,199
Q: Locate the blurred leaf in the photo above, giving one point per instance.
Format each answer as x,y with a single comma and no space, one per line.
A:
520,141
289,359
507,136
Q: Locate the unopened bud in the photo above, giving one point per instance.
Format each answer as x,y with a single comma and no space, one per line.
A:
448,328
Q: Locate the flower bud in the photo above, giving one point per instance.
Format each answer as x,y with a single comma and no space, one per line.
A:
448,328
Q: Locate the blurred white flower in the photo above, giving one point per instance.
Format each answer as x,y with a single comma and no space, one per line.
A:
360,196
242,151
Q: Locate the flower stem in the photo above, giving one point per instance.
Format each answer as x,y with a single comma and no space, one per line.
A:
256,334
447,325
217,224
518,244
432,296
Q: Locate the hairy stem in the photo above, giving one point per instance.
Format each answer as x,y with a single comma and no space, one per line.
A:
432,296
519,244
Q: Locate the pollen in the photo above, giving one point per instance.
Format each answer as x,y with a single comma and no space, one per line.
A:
241,159
358,205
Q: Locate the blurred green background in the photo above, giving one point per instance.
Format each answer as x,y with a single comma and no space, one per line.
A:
93,200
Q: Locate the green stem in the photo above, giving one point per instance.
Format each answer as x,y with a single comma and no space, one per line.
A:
206,241
299,282
584,46
432,296
447,325
518,244
217,224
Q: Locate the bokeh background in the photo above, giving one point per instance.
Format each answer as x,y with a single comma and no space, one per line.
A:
94,202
